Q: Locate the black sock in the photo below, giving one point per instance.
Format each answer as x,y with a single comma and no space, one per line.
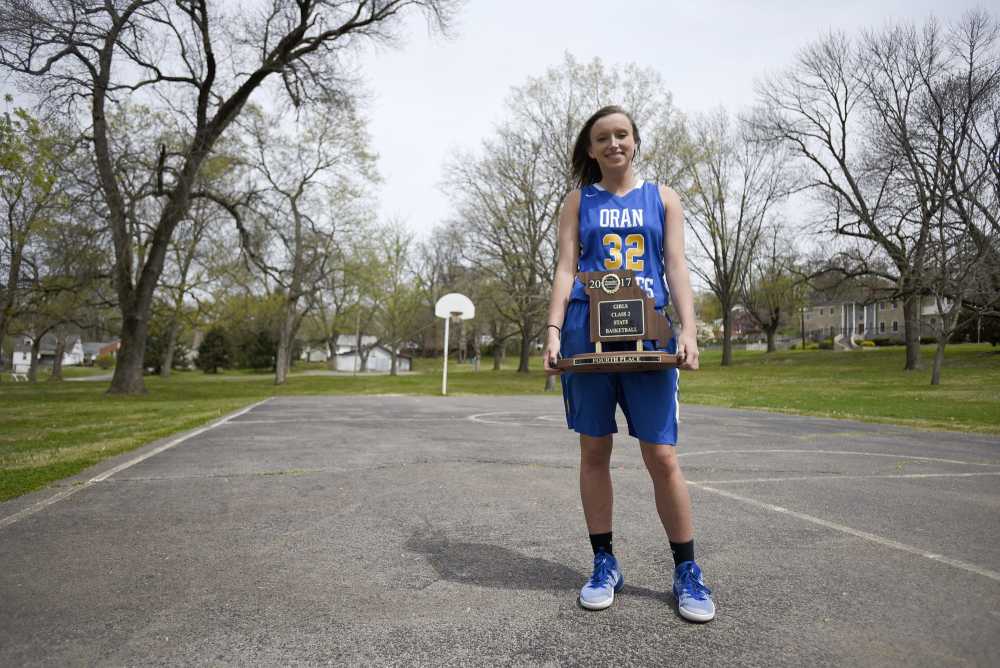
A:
682,551
601,541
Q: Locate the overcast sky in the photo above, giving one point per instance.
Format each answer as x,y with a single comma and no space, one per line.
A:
433,95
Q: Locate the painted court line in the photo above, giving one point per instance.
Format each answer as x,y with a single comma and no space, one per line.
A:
886,542
834,476
806,451
363,418
31,510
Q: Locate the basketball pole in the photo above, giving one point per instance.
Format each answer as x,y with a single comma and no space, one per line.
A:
444,373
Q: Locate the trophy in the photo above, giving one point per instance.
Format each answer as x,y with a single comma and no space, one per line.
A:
620,310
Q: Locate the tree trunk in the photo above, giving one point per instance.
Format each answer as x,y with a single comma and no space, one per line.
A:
497,355
802,326
36,346
938,359
949,321
476,349
911,331
727,336
770,339
167,362
7,308
461,342
550,382
522,365
282,363
57,362
127,378
392,367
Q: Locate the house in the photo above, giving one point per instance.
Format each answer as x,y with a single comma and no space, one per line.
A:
865,318
379,357
94,349
72,355
742,323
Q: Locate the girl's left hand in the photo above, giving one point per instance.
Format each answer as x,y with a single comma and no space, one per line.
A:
687,349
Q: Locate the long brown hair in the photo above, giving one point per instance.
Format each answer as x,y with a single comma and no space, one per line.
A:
585,169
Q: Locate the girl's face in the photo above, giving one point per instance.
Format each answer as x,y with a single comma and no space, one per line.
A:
612,142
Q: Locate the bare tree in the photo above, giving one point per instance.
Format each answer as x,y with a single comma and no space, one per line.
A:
309,180
731,189
439,270
508,214
514,191
966,118
202,65
817,109
887,149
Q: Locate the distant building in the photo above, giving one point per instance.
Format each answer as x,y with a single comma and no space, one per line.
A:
72,355
348,359
93,350
865,319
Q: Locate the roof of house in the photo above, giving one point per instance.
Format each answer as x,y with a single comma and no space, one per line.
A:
95,347
48,344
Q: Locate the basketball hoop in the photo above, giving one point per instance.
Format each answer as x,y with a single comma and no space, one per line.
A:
452,305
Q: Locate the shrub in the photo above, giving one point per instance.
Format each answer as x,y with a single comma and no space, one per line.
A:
867,343
105,361
881,341
826,344
928,339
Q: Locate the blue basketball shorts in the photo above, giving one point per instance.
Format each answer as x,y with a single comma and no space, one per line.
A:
648,398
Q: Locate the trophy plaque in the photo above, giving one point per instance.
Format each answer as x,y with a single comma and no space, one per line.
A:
620,310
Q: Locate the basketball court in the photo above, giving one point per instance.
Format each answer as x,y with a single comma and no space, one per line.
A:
398,530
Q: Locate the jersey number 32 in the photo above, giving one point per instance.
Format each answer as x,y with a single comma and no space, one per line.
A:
634,247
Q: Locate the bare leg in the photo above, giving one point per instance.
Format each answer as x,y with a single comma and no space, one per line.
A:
595,482
673,503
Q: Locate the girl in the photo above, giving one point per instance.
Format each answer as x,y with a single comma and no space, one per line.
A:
616,221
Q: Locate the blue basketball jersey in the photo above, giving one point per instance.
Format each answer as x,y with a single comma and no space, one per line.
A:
623,233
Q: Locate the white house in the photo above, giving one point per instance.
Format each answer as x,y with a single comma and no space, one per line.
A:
72,356
379,357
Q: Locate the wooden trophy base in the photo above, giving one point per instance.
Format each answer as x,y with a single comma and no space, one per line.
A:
624,361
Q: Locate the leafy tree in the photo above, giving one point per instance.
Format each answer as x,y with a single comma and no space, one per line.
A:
772,291
400,307
213,353
32,156
204,62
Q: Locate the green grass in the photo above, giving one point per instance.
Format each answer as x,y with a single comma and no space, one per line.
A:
53,430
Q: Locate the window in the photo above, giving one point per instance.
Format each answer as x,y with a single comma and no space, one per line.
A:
881,326
861,328
821,311
895,325
881,306
894,306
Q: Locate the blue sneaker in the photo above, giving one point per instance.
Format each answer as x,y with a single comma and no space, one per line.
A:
599,592
694,599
